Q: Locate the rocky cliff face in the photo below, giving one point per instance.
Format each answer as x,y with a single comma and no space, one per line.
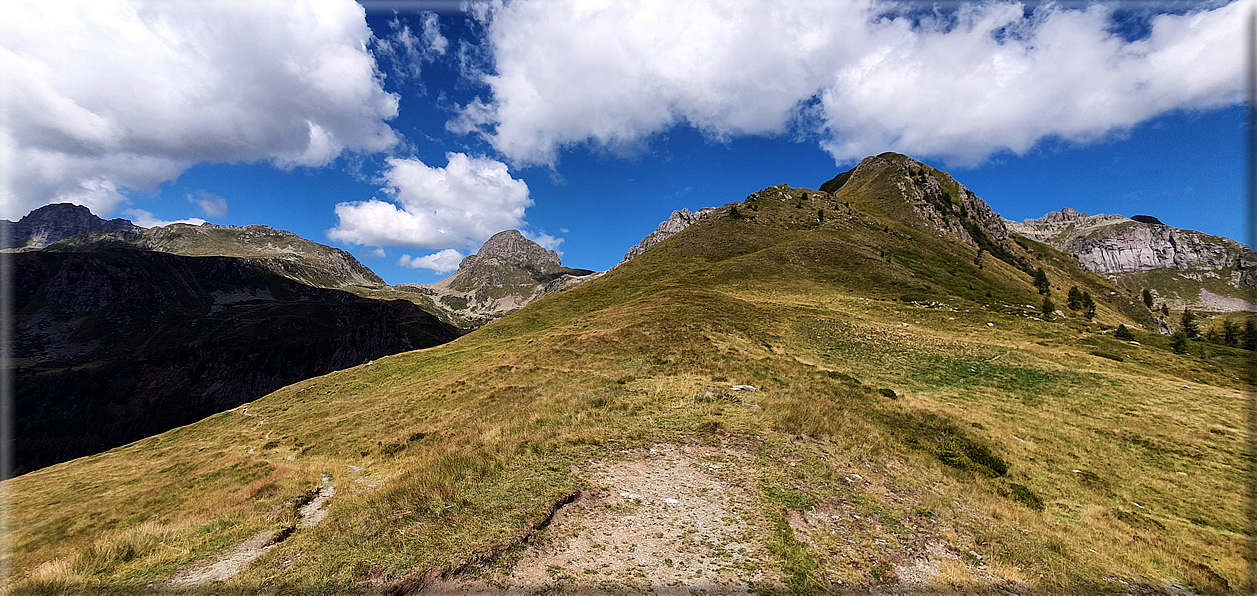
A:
509,272
1185,268
679,220
115,344
56,222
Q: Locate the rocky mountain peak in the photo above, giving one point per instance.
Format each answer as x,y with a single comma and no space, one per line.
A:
511,248
56,222
509,272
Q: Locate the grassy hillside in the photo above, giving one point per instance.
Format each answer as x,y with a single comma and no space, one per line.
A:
915,423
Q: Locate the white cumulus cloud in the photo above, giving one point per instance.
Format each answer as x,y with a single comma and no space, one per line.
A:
857,76
544,240
127,94
145,219
441,262
461,204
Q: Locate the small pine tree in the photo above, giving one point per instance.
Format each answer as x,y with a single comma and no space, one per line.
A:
1165,309
734,213
1148,298
1049,307
1191,327
1075,299
1248,338
820,216
1231,332
1088,306
1178,342
1041,281
1123,333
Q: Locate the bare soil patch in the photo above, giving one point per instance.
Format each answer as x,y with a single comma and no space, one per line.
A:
668,520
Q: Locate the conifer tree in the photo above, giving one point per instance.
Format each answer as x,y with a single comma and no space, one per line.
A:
1088,306
1148,298
1075,299
1041,281
1231,332
1191,328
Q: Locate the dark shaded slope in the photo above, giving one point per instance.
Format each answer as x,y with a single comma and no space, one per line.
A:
115,345
53,223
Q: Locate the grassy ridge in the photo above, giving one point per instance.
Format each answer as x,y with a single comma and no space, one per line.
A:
1006,440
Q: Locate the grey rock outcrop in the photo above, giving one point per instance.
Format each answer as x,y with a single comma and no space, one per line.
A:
508,273
1209,272
1113,244
679,220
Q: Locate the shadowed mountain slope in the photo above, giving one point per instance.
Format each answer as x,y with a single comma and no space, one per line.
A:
915,425
56,222
278,251
116,344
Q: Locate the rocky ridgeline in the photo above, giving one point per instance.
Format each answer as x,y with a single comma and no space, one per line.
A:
679,220
1116,244
280,251
1208,272
53,223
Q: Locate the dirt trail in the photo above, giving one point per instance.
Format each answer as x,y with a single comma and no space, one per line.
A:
235,560
668,520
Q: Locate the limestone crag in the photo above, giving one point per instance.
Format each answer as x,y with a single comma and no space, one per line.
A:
1188,268
679,220
56,222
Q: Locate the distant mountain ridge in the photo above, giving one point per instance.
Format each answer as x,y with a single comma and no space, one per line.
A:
280,251
508,273
1185,268
53,223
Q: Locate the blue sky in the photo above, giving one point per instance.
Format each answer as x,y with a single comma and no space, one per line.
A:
407,132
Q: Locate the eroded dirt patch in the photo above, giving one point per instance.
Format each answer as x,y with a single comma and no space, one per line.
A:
671,519
231,562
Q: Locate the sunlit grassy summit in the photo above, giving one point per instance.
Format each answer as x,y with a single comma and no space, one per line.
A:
850,387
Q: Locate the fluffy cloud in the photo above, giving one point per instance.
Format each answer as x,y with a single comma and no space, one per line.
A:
441,262
856,76
545,240
145,219
453,207
102,96
210,203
